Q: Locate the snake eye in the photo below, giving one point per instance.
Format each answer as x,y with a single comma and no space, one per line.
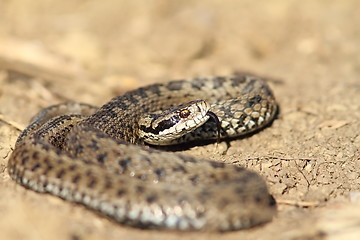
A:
184,113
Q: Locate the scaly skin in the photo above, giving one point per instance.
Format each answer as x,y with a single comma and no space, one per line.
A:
88,156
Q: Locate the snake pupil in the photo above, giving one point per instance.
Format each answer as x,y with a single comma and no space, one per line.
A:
184,113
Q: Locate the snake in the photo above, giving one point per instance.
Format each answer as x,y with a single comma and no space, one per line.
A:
115,160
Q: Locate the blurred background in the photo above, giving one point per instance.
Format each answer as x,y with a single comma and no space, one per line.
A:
117,44
89,51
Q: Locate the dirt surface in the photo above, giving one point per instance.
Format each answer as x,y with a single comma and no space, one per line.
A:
90,51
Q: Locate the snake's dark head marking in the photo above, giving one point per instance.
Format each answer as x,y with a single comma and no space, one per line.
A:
167,126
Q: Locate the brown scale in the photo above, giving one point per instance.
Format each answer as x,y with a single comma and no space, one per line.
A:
85,155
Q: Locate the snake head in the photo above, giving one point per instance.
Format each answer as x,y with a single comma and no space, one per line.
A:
162,128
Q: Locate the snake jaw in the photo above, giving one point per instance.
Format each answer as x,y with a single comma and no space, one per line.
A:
173,123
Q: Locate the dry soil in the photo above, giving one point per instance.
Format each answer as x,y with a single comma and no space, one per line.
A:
89,51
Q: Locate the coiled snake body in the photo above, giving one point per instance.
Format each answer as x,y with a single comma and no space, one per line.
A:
95,156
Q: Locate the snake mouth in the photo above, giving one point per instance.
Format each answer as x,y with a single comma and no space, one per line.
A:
215,118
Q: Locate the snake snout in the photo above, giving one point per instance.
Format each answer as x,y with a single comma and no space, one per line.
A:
173,123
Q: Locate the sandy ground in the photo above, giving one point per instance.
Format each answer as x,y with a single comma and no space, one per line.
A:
90,51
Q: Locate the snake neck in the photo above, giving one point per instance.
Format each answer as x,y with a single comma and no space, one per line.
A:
120,117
